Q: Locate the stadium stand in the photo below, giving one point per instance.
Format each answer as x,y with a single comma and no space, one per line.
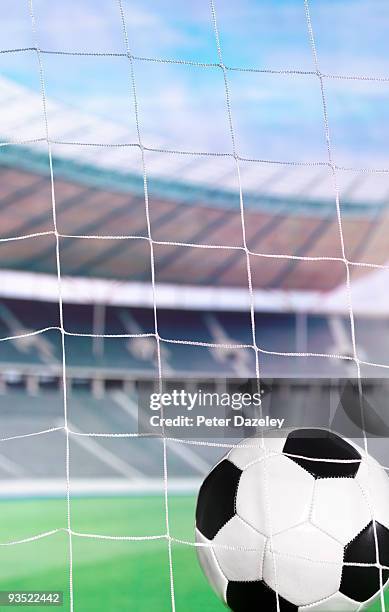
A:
276,333
99,192
121,461
207,217
194,201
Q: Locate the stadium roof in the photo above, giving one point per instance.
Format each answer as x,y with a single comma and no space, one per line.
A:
194,201
94,150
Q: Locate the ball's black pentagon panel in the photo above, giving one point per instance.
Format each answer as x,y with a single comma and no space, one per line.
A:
362,548
216,500
322,444
361,583
256,595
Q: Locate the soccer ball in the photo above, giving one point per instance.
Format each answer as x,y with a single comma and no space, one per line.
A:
277,522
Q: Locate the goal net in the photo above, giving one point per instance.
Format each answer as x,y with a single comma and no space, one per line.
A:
177,225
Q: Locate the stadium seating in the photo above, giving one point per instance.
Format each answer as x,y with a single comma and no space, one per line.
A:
276,335
24,456
110,203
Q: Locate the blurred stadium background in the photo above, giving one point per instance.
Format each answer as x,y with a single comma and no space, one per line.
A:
202,296
301,303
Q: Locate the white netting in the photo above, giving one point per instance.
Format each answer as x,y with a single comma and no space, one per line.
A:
148,238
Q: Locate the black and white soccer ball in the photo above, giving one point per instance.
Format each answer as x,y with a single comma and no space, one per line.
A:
277,520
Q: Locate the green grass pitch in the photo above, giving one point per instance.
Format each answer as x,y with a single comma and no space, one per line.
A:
108,574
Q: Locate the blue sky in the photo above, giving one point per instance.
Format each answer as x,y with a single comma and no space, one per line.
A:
275,116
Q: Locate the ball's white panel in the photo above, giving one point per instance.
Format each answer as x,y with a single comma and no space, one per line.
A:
210,566
250,449
337,602
308,565
375,483
242,456
340,508
274,494
240,564
366,604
